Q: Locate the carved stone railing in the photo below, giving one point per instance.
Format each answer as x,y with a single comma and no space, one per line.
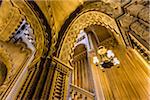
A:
61,80
77,93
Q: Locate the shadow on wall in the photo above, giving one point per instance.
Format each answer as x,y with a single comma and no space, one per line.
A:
3,72
0,2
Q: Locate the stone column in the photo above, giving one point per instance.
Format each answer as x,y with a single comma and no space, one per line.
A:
88,75
86,82
75,74
79,74
96,80
82,73
90,42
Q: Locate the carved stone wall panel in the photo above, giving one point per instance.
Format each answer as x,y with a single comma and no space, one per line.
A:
144,15
126,20
10,18
135,19
60,83
14,59
134,9
140,30
139,10
5,57
37,27
111,8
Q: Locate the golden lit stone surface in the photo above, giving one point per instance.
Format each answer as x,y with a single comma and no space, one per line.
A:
54,69
130,81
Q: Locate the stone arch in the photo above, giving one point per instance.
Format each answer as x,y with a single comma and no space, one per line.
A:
84,20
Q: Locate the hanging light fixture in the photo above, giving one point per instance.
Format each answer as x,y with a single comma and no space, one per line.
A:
116,61
95,60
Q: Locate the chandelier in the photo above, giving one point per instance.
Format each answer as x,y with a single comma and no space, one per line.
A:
105,58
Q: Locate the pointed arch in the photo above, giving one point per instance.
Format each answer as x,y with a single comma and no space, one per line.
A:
85,20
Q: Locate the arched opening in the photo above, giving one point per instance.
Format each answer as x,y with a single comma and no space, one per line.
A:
85,20
99,34
115,82
3,72
81,75
103,42
79,49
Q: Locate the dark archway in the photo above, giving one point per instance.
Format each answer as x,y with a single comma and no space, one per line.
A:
79,49
0,2
3,72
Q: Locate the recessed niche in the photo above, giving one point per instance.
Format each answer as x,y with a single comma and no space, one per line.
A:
3,72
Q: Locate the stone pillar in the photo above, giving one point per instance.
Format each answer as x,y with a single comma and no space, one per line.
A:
81,78
86,75
90,42
82,73
79,74
96,80
75,74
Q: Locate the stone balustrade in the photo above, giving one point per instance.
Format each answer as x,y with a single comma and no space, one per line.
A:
77,93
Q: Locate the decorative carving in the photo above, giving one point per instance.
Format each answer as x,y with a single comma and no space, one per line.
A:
144,52
140,30
85,20
139,10
134,9
37,26
126,20
108,8
10,18
26,36
144,15
60,83
135,19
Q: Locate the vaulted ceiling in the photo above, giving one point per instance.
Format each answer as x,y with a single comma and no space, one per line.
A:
100,32
52,20
79,49
57,23
59,10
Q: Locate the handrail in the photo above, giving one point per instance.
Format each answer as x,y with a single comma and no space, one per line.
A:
62,63
82,91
